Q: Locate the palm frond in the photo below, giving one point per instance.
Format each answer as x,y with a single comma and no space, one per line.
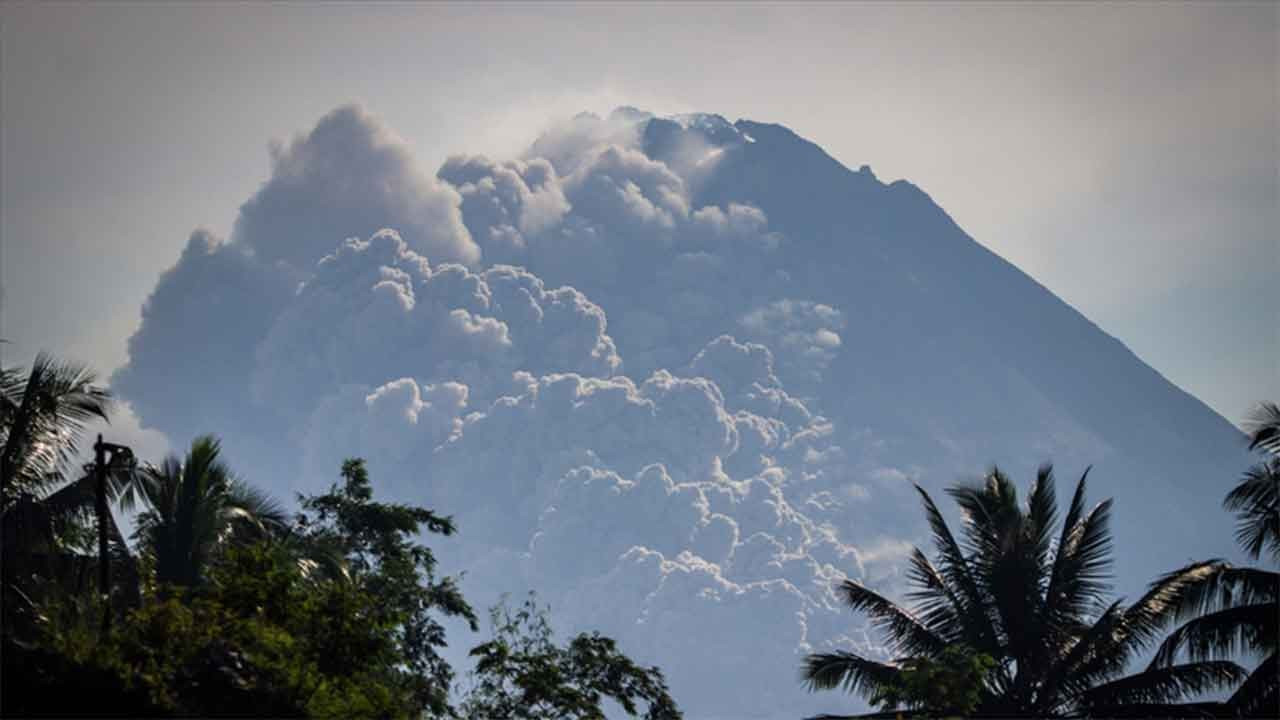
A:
1166,684
1091,550
1256,503
1042,512
955,568
911,635
264,513
1152,711
936,601
880,715
1256,499
853,673
993,525
1083,661
125,487
1264,428
1210,585
1120,634
41,429
10,393
1260,692
1081,564
1170,598
1223,633
990,508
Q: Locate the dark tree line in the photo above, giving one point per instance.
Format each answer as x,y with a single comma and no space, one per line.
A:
224,604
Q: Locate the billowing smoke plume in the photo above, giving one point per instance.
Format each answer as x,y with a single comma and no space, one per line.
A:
672,373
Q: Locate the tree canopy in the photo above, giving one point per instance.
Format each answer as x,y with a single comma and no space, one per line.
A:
522,674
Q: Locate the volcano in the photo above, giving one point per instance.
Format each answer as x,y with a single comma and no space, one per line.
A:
677,374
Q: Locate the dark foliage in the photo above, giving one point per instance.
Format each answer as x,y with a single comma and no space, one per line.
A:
1234,612
1030,598
521,674
195,509
1256,499
334,617
371,547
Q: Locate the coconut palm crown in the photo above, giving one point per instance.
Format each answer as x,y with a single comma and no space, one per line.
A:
42,414
195,507
1031,598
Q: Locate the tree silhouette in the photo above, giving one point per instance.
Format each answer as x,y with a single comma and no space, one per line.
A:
1256,499
370,547
1230,611
1032,600
195,507
41,419
522,674
46,516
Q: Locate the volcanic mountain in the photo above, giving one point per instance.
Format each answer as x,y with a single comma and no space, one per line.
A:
677,374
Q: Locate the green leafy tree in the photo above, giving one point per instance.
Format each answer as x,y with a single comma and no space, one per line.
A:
195,507
333,618
1028,598
255,640
521,674
370,547
347,657
947,686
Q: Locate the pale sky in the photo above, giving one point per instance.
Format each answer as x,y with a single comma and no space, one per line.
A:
1125,155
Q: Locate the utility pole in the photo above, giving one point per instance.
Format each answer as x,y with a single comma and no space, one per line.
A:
104,562
121,456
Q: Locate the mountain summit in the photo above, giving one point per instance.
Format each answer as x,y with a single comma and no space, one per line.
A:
677,374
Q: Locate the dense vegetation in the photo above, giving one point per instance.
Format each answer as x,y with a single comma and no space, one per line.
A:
226,604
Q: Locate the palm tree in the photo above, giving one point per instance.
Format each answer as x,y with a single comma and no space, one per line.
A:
41,419
1230,611
1256,499
1032,601
45,516
1236,610
195,507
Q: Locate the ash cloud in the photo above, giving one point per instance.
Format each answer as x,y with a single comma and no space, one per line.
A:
376,309
349,177
607,217
615,500
568,352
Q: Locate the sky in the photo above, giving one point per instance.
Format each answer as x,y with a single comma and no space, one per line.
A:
1124,155
798,346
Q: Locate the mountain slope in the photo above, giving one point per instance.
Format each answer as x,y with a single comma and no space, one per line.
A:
678,374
